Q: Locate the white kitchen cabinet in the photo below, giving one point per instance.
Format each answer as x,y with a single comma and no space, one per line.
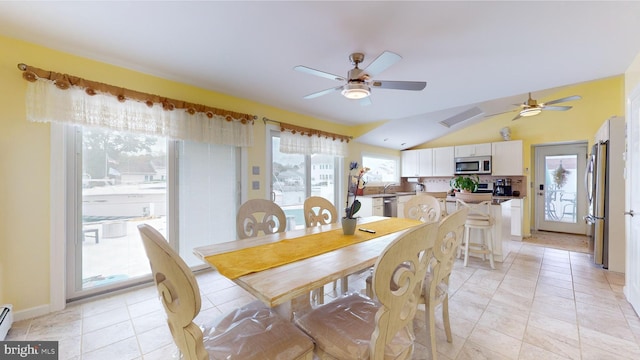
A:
370,206
443,163
473,150
516,219
409,162
417,163
506,158
402,201
378,206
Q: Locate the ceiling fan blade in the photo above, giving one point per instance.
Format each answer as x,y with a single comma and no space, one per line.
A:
315,72
323,92
557,108
569,98
500,113
382,62
399,85
517,117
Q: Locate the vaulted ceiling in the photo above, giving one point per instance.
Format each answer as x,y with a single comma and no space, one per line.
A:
477,57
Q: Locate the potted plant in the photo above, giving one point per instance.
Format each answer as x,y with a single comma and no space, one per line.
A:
355,183
465,183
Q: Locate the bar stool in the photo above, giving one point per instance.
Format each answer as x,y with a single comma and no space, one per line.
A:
479,218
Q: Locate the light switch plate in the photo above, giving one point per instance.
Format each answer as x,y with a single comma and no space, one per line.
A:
255,185
256,170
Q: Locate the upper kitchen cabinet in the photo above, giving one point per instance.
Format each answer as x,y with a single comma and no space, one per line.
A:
443,163
473,150
506,158
417,163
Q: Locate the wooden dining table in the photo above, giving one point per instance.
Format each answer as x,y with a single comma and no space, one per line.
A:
286,287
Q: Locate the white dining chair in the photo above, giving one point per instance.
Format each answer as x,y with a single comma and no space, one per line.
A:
320,211
355,327
436,283
252,332
259,217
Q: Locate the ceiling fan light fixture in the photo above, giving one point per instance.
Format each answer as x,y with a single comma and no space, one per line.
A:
356,91
530,111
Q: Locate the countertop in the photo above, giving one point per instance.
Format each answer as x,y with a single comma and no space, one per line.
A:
496,199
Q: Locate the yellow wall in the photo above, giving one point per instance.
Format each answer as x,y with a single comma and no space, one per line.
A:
601,99
25,150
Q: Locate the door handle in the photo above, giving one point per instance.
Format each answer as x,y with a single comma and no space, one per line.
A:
630,212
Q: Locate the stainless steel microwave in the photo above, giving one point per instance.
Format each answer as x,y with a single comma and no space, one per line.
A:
473,165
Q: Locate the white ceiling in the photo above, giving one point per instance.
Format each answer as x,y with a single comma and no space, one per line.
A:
471,53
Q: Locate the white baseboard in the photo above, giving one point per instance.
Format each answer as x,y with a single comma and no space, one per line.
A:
31,313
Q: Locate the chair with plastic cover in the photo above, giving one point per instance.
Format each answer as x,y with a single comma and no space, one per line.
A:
259,217
320,211
251,332
436,283
357,327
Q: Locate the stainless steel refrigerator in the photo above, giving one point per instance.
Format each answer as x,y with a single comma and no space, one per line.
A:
597,192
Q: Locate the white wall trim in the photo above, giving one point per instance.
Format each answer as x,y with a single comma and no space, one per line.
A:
57,300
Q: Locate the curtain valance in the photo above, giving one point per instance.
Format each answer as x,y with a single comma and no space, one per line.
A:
300,140
54,97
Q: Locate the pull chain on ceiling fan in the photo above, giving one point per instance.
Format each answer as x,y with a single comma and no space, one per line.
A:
358,82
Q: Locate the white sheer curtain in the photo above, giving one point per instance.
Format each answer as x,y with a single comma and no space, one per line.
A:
298,143
47,103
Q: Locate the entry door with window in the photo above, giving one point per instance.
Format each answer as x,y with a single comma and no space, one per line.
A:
560,194
632,209
295,177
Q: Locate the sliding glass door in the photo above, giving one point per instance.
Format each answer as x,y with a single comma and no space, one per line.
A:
294,177
116,181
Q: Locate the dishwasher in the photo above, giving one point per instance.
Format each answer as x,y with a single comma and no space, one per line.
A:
390,206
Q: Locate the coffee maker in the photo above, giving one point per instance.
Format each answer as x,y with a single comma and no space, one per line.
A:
502,187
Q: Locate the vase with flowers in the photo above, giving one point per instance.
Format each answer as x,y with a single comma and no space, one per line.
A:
356,186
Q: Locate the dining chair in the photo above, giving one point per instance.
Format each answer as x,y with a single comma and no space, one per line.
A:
357,327
250,332
436,284
479,218
320,211
259,215
425,208
421,207
442,199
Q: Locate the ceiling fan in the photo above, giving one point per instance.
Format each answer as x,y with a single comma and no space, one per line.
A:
532,107
358,83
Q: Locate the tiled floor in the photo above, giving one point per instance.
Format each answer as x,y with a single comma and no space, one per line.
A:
542,303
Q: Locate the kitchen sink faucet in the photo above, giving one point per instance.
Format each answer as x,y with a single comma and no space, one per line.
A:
384,191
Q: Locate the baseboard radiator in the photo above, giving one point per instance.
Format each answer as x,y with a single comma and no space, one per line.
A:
6,319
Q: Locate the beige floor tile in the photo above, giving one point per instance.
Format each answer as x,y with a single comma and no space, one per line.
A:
106,336
123,350
104,319
532,352
541,303
508,322
496,341
473,351
554,343
544,289
554,326
615,346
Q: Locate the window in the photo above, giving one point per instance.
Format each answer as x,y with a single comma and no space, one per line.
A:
383,168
